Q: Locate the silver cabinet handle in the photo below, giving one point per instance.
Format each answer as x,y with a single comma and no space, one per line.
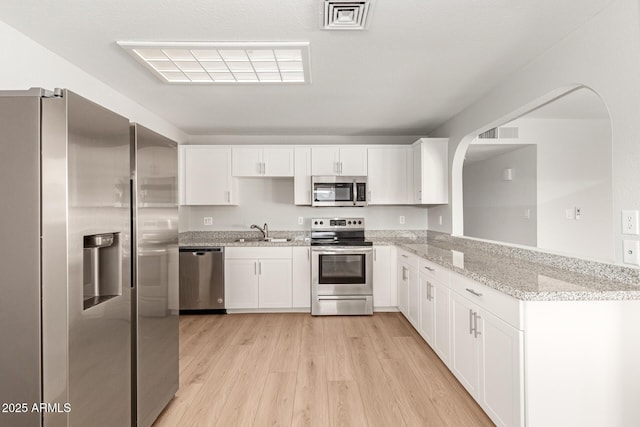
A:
264,168
404,273
475,325
429,294
470,322
228,195
255,268
259,168
404,256
259,268
374,255
471,291
429,268
336,167
308,253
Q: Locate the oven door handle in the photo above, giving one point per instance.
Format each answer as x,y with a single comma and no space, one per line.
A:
342,297
333,251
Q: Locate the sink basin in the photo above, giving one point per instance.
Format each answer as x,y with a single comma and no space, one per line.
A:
260,239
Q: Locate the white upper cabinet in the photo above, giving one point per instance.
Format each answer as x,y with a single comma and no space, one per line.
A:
334,161
302,177
205,176
430,171
390,174
266,161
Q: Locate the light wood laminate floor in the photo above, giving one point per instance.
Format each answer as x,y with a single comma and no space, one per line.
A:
290,369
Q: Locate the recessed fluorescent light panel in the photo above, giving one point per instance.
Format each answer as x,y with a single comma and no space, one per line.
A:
224,63
345,14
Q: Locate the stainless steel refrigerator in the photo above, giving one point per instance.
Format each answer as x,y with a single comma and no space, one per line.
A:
155,298
88,332
65,304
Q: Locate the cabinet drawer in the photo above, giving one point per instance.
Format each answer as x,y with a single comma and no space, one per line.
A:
503,306
237,252
434,271
408,258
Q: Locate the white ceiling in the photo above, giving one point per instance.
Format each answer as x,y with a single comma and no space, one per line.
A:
419,62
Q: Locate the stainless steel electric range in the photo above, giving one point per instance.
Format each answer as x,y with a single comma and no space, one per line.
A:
341,267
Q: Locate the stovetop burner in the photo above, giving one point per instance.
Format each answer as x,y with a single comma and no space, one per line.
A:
338,232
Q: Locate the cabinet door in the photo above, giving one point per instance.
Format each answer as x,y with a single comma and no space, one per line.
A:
275,283
427,310
246,161
277,161
382,276
388,175
501,362
301,277
324,161
353,161
241,283
417,173
464,347
302,176
207,176
431,171
440,295
403,287
414,298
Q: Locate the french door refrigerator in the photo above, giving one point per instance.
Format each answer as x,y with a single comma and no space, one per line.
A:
65,306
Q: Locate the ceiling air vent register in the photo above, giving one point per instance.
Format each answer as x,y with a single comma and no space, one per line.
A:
345,15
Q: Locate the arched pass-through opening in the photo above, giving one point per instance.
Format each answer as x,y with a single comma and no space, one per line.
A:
540,176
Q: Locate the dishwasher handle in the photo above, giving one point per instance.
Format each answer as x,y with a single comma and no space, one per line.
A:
202,251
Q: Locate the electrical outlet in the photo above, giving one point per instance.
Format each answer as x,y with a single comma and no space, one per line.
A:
440,220
300,220
630,222
208,220
577,213
631,250
401,219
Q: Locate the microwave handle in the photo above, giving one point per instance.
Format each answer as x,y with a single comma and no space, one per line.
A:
355,192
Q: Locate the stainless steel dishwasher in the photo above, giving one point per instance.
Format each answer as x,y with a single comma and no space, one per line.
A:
202,279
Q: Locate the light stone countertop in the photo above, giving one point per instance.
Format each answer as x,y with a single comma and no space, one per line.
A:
524,274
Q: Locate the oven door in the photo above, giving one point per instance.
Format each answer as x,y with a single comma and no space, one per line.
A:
342,270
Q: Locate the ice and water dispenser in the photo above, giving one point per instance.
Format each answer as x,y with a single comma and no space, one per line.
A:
102,268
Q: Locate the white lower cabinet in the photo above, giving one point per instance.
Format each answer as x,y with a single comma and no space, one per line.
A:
487,358
258,277
383,285
301,268
434,315
474,329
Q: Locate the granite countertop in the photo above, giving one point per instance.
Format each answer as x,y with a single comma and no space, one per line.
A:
524,274
528,279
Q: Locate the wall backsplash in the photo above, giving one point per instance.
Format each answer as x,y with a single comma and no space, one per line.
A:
270,200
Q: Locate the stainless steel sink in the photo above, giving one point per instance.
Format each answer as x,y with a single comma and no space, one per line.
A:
261,239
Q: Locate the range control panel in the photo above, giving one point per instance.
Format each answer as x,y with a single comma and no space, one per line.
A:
337,223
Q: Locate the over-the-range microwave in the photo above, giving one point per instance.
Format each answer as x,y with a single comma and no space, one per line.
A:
339,190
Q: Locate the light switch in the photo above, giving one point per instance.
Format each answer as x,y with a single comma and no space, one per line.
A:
631,250
630,222
208,220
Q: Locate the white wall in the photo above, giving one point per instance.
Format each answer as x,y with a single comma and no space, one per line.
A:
27,64
574,170
494,209
604,54
300,139
270,200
